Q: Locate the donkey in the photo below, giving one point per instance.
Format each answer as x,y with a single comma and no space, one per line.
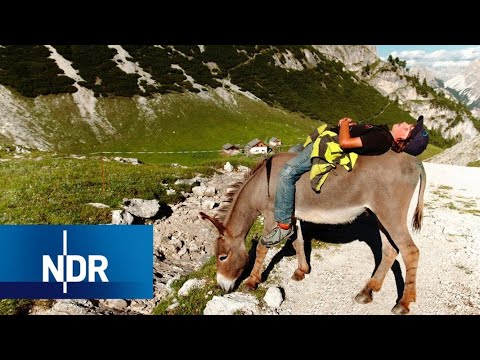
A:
384,184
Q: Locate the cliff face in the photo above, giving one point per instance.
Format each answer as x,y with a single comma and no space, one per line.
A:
355,57
403,86
460,154
467,85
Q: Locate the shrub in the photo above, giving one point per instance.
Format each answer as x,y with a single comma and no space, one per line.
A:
29,70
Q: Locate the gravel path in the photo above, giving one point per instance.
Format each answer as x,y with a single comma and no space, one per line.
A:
448,278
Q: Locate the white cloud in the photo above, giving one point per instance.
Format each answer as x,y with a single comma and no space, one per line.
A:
443,63
449,63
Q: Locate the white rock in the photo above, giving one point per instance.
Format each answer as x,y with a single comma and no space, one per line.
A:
138,305
133,161
178,165
273,297
210,191
117,217
168,286
127,218
231,303
170,191
65,307
228,167
182,251
193,247
185,181
114,303
172,306
121,217
22,150
99,205
199,190
208,204
242,168
141,208
189,285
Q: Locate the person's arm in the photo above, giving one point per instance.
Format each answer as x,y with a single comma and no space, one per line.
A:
344,139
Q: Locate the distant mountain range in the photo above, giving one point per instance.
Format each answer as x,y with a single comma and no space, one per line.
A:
466,86
415,90
463,87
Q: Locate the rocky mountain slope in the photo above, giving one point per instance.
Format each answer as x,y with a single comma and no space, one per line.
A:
431,80
182,244
466,85
462,153
407,88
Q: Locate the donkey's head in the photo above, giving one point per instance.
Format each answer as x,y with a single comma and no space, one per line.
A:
230,253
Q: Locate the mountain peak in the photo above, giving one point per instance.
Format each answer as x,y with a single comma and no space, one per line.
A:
467,84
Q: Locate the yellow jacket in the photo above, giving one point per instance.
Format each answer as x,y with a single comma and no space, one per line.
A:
326,154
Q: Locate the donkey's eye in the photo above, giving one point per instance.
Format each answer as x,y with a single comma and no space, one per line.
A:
222,257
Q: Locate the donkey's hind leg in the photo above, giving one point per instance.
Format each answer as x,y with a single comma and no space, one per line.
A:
389,253
410,256
399,233
299,247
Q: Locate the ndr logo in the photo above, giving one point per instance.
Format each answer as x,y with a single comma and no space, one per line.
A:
64,270
100,262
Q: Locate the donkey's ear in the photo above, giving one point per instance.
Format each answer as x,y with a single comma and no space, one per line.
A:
221,229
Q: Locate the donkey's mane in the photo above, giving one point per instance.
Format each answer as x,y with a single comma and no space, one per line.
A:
234,190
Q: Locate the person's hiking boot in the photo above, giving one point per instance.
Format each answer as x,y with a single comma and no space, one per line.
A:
276,236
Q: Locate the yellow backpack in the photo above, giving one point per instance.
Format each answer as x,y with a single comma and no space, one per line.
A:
326,155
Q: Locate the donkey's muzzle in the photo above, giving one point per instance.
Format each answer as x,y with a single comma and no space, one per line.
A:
225,283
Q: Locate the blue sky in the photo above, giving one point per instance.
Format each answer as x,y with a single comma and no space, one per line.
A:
444,61
385,50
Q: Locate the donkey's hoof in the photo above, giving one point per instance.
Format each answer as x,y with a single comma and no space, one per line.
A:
298,275
363,298
251,284
399,309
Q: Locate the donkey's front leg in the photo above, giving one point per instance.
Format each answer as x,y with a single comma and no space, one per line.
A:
256,275
299,247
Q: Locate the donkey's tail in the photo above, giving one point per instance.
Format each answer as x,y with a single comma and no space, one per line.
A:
418,215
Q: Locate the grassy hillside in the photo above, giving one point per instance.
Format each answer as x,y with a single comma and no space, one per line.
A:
173,122
204,125
326,91
45,188
430,151
180,119
172,115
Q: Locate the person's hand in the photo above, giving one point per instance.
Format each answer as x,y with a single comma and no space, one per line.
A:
345,119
